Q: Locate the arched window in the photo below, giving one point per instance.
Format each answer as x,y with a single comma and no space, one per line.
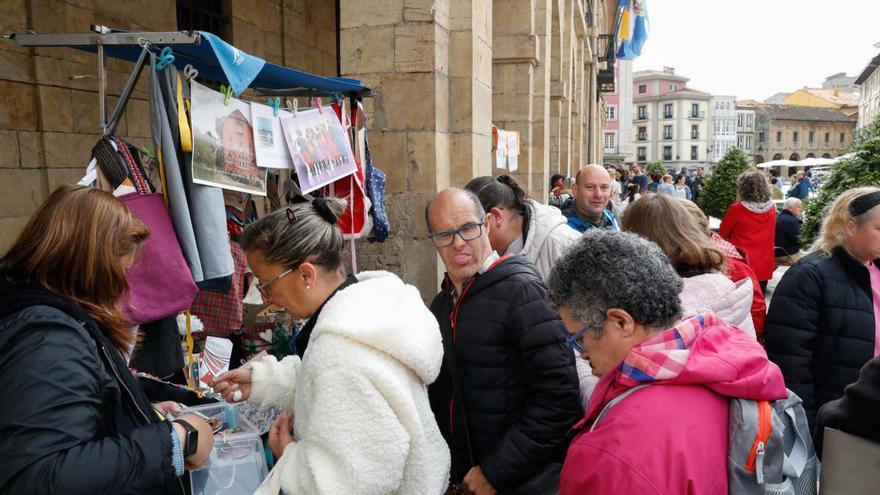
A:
759,159
794,157
777,156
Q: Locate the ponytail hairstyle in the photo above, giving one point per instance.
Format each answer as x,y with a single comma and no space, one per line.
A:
298,233
499,192
844,209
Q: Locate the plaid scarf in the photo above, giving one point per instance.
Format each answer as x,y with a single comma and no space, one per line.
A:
665,355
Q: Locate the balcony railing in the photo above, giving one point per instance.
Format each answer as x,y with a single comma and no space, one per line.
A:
642,116
695,135
642,137
667,115
697,115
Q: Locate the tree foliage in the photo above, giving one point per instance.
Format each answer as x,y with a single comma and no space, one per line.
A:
656,167
720,189
863,169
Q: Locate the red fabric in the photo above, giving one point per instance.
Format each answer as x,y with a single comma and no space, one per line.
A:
738,270
351,189
222,313
646,444
755,234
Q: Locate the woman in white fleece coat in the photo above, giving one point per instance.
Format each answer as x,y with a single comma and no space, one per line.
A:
361,419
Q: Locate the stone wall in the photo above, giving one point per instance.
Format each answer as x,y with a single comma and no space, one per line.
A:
443,72
49,113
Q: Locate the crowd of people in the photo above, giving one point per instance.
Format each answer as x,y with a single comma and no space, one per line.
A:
572,348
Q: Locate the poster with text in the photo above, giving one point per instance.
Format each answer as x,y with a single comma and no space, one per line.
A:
512,150
501,150
223,143
319,146
269,143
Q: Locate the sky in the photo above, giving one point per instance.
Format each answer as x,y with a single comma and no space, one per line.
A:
755,48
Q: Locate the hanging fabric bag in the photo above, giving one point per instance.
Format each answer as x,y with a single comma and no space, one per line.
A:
160,281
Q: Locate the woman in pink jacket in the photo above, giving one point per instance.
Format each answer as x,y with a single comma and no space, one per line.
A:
670,435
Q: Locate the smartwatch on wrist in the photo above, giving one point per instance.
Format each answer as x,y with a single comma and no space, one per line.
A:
191,439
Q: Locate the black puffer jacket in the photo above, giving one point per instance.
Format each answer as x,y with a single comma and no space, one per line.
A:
858,412
820,327
518,378
72,420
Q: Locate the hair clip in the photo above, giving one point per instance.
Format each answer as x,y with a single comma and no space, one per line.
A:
291,216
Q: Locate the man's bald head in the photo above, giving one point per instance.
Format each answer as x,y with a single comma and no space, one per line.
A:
592,172
592,191
454,195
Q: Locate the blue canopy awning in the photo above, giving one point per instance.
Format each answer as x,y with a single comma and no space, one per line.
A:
219,61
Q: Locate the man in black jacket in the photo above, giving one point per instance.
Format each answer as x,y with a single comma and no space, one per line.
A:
507,395
788,233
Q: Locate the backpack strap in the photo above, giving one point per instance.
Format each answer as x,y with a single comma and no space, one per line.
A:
613,402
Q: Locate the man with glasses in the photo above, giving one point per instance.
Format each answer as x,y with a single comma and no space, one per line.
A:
507,395
589,206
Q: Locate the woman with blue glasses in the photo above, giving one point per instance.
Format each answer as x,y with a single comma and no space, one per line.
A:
669,377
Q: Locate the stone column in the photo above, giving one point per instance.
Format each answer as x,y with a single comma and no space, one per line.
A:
541,166
514,57
429,63
470,89
557,88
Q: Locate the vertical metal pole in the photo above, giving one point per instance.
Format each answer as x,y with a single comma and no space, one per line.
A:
102,85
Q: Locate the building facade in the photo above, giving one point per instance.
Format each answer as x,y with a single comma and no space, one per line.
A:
745,130
443,72
868,82
616,142
845,101
722,125
790,132
670,121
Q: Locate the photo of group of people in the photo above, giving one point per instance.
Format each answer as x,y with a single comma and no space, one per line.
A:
319,146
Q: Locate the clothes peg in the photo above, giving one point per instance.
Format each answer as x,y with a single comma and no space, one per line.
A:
190,72
166,58
317,103
227,94
293,106
275,103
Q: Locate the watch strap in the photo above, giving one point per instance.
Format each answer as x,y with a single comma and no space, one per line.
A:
191,439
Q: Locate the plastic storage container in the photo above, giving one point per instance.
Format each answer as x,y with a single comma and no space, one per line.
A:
236,465
227,416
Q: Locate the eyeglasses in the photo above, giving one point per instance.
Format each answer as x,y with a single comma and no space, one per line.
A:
467,232
574,341
264,288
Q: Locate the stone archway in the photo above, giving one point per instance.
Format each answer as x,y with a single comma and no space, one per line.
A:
777,156
759,159
811,155
794,157
826,155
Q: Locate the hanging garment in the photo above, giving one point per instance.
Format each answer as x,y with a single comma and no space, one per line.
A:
222,313
375,179
355,222
159,352
197,211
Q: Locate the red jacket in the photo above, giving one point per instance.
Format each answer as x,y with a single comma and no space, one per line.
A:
737,269
755,233
672,436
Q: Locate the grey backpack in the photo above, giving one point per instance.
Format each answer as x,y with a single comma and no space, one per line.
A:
770,451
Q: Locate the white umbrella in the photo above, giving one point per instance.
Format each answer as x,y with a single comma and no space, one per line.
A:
816,162
778,163
844,157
